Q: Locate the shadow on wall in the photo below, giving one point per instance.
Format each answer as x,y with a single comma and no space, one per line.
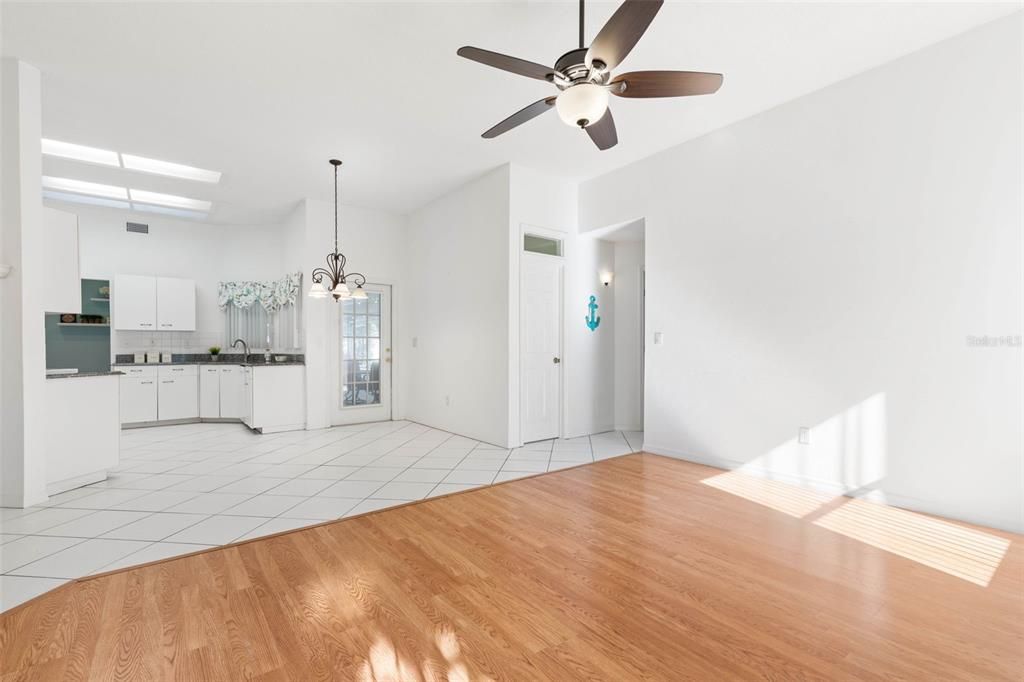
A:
849,453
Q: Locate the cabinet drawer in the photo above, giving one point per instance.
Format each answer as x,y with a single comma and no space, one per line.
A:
129,371
174,371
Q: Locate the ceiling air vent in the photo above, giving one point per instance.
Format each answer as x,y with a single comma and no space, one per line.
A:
141,228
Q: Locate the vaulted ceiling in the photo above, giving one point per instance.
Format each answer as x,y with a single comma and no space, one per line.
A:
267,93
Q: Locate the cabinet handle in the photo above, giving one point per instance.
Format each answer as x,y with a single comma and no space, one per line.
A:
165,324
169,381
145,324
143,383
177,369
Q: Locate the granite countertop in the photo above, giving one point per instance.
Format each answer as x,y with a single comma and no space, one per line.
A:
207,362
79,375
204,359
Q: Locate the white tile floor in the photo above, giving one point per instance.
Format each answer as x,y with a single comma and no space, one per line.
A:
183,488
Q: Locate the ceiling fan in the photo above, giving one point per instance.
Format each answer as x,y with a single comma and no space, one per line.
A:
584,76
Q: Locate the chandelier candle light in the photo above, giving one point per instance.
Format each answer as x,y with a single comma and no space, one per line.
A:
336,283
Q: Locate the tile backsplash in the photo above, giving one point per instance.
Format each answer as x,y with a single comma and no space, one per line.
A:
125,342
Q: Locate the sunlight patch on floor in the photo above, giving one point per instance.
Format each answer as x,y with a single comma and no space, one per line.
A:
788,499
962,552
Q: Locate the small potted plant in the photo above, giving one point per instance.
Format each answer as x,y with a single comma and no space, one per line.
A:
214,353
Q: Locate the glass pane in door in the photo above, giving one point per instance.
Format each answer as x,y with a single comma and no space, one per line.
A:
360,350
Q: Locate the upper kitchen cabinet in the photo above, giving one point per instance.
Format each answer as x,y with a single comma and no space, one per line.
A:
175,304
154,303
134,302
61,284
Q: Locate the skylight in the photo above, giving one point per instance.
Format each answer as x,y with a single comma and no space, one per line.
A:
80,152
169,200
175,170
82,187
82,199
142,164
176,212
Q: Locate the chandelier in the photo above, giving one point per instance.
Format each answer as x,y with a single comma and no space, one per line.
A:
333,280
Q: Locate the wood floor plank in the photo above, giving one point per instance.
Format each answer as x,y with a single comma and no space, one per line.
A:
638,567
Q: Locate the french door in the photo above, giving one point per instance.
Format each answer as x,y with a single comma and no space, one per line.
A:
362,358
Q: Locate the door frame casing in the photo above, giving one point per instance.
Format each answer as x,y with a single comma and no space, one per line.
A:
562,261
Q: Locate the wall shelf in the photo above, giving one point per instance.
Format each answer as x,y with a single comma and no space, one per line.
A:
82,324
101,300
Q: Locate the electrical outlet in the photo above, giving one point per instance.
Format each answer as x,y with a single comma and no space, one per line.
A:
803,435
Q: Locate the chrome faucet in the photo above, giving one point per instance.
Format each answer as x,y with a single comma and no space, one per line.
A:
245,348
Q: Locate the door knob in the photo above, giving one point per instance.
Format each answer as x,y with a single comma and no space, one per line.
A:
556,360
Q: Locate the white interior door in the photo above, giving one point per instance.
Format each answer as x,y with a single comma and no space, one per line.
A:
362,356
540,347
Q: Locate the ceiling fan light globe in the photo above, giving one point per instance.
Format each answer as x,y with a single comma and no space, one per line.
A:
582,105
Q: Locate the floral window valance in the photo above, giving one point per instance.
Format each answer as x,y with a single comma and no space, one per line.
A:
272,295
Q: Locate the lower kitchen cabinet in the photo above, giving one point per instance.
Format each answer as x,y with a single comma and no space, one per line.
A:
138,394
233,389
265,398
178,392
221,392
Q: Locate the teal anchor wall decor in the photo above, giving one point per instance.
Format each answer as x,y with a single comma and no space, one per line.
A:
592,319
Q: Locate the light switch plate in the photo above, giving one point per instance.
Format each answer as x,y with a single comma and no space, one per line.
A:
659,338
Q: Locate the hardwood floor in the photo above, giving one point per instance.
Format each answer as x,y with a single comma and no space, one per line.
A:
639,567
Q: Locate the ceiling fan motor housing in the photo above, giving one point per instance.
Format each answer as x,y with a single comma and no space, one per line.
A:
573,67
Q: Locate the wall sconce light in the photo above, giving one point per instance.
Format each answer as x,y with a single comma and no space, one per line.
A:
606,278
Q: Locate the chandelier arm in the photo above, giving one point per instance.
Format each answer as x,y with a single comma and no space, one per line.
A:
362,278
318,275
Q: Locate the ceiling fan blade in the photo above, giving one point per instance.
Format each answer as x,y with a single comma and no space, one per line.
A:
621,33
603,132
665,83
521,116
507,63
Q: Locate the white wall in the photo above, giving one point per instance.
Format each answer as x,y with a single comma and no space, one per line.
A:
590,355
457,311
374,242
202,252
626,291
822,264
23,246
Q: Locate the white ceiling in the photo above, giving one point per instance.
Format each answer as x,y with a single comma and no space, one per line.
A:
267,93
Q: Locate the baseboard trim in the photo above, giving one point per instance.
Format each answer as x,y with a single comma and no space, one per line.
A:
932,507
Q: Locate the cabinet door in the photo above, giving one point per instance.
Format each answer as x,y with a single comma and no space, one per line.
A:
232,399
178,396
134,304
209,392
175,304
246,374
138,399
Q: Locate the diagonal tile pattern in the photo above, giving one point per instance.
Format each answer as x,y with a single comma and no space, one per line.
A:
180,489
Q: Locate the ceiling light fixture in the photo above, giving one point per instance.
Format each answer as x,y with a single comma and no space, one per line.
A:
82,187
336,282
171,200
174,170
80,152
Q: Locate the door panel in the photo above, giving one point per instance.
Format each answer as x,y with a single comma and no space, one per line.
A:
361,351
134,301
540,347
209,392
